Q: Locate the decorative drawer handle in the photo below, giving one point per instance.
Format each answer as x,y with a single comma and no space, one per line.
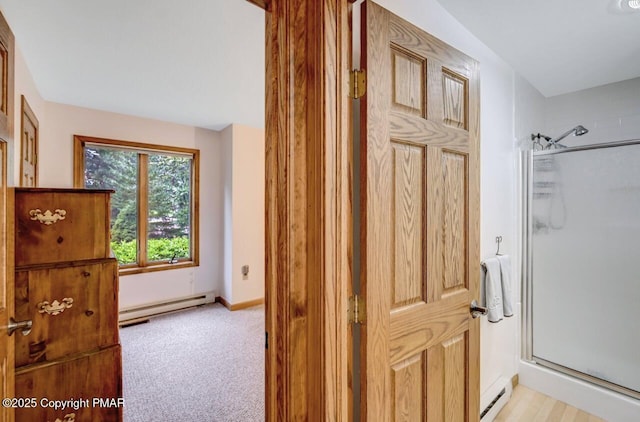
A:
47,218
71,417
56,307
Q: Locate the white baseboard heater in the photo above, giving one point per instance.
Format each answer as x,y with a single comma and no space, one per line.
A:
139,313
497,396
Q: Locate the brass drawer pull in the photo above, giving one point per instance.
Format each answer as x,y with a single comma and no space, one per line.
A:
47,218
56,307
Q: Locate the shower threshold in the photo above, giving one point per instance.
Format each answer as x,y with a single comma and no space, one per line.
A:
589,378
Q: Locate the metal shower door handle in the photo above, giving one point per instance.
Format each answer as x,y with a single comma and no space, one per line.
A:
477,310
24,326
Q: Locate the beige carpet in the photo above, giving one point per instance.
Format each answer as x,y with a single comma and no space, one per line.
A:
203,364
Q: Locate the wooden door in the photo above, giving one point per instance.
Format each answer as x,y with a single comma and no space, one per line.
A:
6,293
7,53
29,146
6,232
420,225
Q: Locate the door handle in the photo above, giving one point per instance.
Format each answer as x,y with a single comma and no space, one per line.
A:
24,326
477,310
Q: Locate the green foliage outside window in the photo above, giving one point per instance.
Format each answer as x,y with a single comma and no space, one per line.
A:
169,201
158,249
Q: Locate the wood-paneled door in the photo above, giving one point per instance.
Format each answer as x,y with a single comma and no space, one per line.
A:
420,225
7,370
29,146
7,67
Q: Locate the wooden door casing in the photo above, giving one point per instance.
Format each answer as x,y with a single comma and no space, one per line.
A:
29,134
308,207
420,224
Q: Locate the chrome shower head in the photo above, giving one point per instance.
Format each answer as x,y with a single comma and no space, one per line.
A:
577,131
580,130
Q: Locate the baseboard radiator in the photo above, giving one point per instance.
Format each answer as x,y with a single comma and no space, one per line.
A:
138,313
498,396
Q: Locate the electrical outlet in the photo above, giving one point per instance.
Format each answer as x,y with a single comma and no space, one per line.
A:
245,272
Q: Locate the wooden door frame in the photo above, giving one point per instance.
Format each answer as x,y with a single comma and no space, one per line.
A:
27,114
308,209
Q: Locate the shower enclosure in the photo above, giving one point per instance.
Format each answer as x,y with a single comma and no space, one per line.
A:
582,263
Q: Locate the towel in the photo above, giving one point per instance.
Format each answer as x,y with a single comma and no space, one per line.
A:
505,275
492,282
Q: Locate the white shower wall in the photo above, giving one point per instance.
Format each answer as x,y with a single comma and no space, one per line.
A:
610,112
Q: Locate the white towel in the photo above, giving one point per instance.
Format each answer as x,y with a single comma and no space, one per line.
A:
505,275
491,280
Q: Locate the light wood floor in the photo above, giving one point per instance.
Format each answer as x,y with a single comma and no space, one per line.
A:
528,405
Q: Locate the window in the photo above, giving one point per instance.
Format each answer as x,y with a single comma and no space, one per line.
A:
154,216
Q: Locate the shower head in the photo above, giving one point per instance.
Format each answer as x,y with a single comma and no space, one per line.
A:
577,131
580,130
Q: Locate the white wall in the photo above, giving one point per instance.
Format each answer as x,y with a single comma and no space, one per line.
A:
244,212
498,169
610,112
529,111
58,125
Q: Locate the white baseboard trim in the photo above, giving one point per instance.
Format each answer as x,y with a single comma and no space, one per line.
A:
157,308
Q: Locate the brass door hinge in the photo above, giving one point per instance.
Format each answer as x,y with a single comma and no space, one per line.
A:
357,83
356,312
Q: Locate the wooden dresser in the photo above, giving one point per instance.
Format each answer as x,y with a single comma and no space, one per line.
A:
66,283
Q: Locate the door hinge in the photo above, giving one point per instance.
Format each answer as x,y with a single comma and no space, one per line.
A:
357,83
356,313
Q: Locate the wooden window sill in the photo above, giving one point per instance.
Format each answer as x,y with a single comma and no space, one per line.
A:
158,267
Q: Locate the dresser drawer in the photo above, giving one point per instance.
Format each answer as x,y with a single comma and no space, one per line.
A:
88,376
73,309
61,225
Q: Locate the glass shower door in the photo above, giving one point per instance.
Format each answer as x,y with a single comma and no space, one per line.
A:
585,252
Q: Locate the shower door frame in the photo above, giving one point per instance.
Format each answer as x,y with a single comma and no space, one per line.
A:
526,167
